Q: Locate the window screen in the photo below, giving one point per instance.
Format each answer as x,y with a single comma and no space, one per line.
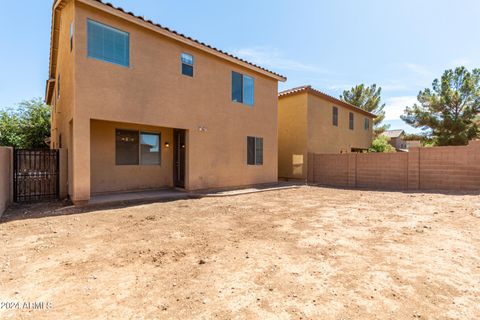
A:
108,44
243,88
259,151
248,86
335,116
254,151
367,124
237,87
126,147
350,120
187,64
149,148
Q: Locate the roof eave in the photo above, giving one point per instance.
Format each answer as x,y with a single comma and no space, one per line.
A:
129,16
57,6
309,89
49,91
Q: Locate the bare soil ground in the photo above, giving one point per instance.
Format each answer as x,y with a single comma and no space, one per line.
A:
307,253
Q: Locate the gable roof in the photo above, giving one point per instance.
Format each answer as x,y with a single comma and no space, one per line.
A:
393,133
120,12
318,93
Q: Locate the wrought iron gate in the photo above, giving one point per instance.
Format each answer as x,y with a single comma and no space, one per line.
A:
35,175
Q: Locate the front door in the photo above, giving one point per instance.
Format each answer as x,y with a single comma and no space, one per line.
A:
179,158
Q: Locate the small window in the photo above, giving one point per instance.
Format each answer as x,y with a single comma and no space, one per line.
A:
149,148
108,44
126,147
243,88
58,87
254,151
367,124
335,116
187,64
60,140
71,36
350,120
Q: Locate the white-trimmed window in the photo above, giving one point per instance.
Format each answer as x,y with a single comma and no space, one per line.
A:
133,148
366,124
254,151
243,88
187,64
108,44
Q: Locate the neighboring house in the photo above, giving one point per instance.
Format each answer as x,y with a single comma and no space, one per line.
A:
310,121
397,139
139,106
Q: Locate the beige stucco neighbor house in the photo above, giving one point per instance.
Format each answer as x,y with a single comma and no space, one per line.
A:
139,106
310,121
396,139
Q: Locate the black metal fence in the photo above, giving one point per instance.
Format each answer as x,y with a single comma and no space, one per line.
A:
35,175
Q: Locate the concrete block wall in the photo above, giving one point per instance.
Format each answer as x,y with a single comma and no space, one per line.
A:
441,168
6,178
450,168
382,170
329,169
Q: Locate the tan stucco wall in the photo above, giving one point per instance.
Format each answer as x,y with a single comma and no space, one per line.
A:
324,137
62,110
106,176
292,137
153,92
6,182
305,126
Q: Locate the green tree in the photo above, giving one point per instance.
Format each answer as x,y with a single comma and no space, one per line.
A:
449,109
26,126
380,144
368,99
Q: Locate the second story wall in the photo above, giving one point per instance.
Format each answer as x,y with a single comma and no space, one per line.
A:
152,89
292,136
62,106
325,137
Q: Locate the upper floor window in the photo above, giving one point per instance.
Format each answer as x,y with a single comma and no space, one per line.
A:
242,88
108,44
254,151
187,64
367,124
71,36
350,120
335,116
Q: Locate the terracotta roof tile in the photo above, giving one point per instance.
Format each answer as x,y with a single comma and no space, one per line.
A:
189,38
310,89
393,133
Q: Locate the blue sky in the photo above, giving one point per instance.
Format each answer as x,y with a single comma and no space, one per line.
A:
400,45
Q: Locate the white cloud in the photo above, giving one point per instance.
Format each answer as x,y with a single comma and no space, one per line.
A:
394,87
273,58
419,70
395,106
341,86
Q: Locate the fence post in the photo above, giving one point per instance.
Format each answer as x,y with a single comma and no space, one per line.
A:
14,174
413,172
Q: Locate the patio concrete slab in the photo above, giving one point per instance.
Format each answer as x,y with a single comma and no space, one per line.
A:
128,197
282,185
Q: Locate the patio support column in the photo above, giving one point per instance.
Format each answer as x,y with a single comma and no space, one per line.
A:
81,161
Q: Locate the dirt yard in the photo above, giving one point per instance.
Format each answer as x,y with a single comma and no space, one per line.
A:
306,253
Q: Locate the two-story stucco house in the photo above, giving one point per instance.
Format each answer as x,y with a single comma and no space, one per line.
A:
139,106
310,121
